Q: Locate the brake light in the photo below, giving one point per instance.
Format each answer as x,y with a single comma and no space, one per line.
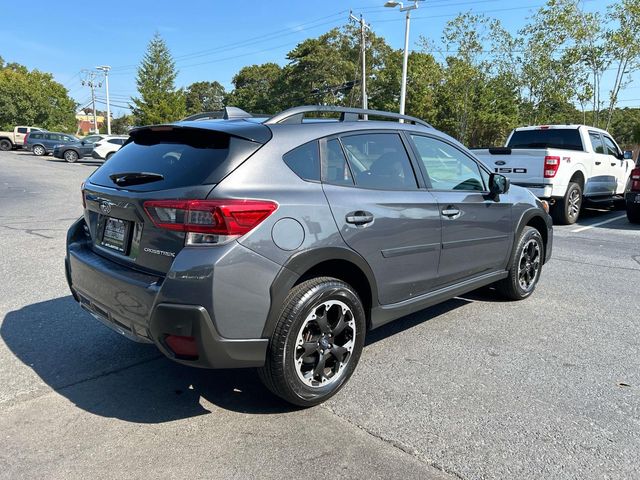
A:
209,221
635,179
84,200
551,165
183,347
24,141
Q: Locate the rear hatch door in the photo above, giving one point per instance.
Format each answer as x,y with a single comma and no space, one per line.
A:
173,162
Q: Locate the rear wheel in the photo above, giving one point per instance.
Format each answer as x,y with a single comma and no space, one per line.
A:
317,342
567,210
109,155
5,145
38,150
70,156
633,213
525,266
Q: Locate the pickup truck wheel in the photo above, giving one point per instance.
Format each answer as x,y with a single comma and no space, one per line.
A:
567,210
5,145
317,342
525,266
38,150
70,156
633,214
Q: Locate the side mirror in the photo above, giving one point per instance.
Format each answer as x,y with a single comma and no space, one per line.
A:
627,155
498,184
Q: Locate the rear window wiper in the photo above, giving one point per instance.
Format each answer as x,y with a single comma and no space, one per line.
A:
135,178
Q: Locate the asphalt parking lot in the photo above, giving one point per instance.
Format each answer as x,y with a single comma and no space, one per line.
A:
473,388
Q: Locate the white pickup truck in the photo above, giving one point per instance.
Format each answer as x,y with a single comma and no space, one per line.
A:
567,165
11,140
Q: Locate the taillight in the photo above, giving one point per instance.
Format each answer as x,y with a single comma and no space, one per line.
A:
551,165
84,200
209,221
635,180
25,138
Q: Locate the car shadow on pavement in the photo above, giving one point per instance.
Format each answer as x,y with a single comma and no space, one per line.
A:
105,374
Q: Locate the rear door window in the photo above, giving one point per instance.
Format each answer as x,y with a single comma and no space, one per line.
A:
22,130
335,169
562,138
379,161
596,142
183,156
36,136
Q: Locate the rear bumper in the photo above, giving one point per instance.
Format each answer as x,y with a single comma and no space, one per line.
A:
134,304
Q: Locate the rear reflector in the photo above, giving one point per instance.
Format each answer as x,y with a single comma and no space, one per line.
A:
183,347
209,221
551,165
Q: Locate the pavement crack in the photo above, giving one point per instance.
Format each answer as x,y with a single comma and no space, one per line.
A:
106,373
397,445
580,262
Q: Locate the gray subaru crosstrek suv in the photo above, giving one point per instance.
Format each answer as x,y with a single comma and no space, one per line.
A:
278,243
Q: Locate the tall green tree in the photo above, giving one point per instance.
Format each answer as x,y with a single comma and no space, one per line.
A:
34,98
159,100
257,88
204,97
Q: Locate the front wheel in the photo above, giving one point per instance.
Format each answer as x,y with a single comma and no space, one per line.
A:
70,156
317,342
525,266
5,145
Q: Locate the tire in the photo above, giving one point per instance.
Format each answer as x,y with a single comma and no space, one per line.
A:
38,150
621,204
633,214
567,210
5,145
109,155
525,266
71,156
300,341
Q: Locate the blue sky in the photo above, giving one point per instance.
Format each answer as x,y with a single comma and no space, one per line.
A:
212,40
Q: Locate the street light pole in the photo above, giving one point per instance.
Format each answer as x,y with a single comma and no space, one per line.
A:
405,57
105,69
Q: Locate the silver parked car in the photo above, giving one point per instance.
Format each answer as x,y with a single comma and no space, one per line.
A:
278,243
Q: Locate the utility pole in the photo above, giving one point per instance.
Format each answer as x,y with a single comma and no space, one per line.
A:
105,69
363,51
90,79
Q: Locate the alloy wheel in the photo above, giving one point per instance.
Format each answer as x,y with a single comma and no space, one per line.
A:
573,207
325,343
529,265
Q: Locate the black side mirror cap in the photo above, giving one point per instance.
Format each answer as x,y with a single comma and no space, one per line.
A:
498,184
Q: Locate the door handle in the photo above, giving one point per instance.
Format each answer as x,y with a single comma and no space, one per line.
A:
451,212
613,164
359,218
598,163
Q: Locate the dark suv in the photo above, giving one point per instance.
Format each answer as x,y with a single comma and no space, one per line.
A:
278,243
43,143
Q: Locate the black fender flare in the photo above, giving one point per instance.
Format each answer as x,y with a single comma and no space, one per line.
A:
526,217
300,263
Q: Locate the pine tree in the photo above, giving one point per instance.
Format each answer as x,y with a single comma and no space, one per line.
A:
159,101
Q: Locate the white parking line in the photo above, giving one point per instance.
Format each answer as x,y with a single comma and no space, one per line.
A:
582,229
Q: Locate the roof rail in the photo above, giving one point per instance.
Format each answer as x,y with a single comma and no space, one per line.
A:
296,115
227,113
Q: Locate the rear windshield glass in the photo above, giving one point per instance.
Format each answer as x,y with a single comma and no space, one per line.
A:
568,139
183,157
